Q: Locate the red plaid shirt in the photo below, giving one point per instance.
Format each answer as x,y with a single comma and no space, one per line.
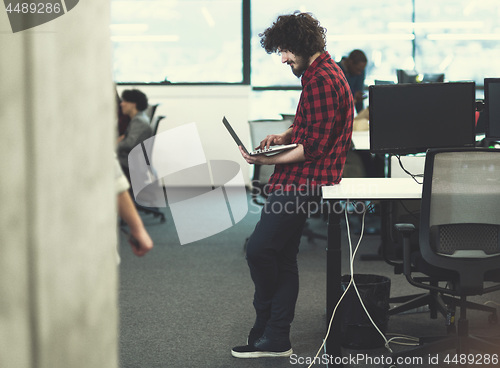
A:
323,125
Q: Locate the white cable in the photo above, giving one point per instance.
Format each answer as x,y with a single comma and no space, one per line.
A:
415,340
333,313
387,342
352,255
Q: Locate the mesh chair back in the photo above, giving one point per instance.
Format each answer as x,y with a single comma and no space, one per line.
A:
465,203
460,219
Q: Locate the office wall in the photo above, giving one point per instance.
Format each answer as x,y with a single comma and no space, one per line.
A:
205,105
58,272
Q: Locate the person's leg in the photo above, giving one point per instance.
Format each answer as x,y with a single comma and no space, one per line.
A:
272,258
287,285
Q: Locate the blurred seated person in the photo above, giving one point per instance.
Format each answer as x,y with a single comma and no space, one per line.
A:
123,119
133,104
361,163
353,67
361,121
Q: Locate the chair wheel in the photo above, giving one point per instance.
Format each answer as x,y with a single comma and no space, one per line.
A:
493,319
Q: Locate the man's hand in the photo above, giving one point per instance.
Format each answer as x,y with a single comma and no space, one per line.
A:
276,139
257,159
286,157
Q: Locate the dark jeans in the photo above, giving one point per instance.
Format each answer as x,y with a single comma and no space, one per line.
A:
272,257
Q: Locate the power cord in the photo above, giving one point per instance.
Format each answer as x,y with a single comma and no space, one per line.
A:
414,176
323,346
415,340
352,255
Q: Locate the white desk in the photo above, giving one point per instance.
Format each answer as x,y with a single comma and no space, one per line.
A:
373,188
354,189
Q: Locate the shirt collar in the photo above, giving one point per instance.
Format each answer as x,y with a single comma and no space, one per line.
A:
315,64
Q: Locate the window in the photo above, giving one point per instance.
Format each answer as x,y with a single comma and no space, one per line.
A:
189,41
460,38
350,25
202,41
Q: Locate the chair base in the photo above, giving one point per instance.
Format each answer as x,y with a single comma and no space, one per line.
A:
151,211
456,345
443,304
460,342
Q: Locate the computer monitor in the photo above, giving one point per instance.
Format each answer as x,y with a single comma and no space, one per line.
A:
433,78
492,107
411,118
406,76
379,81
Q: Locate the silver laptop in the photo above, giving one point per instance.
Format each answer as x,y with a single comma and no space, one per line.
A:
265,151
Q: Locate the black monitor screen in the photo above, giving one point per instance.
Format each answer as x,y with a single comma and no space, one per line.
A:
492,107
433,77
405,76
411,118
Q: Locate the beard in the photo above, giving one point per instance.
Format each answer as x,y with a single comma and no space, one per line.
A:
299,66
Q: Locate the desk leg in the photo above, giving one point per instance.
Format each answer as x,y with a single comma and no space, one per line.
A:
333,283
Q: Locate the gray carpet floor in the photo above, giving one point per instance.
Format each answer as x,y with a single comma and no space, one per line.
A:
186,306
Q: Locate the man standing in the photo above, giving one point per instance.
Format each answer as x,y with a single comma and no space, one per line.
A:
322,131
354,67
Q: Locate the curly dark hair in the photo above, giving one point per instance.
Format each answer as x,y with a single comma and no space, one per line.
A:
134,95
299,33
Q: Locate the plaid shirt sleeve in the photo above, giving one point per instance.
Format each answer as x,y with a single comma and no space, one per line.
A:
319,112
323,125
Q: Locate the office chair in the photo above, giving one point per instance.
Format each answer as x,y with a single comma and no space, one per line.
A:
408,211
259,129
155,211
459,238
150,111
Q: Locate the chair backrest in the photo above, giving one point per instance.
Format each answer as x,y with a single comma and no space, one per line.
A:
259,129
155,123
460,213
150,111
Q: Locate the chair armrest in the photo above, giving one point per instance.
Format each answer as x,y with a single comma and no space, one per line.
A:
405,229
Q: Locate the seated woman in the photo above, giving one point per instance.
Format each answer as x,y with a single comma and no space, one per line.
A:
133,104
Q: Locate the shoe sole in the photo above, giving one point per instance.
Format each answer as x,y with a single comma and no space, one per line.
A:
262,354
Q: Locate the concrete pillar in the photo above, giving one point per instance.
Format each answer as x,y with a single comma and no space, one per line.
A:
58,273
